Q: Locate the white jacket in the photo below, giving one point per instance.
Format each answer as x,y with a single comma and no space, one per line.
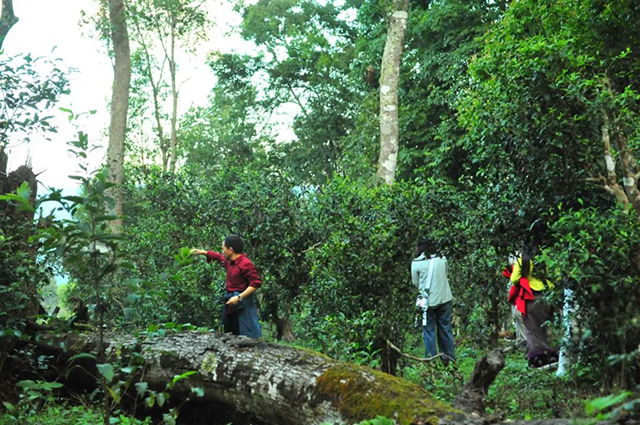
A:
435,287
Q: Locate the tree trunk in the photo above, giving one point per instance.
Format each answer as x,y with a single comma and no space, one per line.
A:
119,103
389,82
628,193
174,98
471,398
388,356
611,179
7,19
155,91
284,328
630,174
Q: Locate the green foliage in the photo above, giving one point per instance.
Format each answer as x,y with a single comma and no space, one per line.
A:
63,414
543,89
596,255
161,286
21,197
34,396
232,129
549,77
89,250
612,407
519,392
181,211
358,288
37,389
305,55
442,37
183,258
85,241
361,293
156,72
600,404
119,378
29,87
21,273
160,398
527,393
502,112
378,420
481,251
443,382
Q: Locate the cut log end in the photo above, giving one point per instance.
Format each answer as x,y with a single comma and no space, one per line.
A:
472,396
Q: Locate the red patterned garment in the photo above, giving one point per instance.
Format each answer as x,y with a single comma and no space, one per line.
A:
520,292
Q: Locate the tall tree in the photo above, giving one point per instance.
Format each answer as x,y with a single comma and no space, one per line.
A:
7,19
542,64
225,132
442,38
389,82
309,52
119,101
162,26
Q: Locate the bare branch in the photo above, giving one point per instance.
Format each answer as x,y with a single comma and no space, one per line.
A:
417,359
312,247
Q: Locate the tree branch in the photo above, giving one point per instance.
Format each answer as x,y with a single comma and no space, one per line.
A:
7,20
417,359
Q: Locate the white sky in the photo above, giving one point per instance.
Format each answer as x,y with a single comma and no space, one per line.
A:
51,27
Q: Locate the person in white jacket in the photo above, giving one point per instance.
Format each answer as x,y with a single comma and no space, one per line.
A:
429,275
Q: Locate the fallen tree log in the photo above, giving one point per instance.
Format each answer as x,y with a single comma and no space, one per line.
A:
284,385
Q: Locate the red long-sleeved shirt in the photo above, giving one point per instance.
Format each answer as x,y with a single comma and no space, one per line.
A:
241,272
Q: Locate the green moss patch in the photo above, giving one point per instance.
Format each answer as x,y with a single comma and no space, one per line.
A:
208,363
360,394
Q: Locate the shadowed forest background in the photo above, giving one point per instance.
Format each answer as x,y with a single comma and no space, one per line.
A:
518,122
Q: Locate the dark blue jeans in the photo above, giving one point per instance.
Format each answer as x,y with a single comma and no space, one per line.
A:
439,317
244,318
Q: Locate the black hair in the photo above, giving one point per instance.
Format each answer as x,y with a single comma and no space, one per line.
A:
528,252
235,242
424,246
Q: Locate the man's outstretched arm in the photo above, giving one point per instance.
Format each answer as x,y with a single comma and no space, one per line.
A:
211,255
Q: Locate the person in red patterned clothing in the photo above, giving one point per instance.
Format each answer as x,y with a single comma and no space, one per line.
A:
527,295
239,313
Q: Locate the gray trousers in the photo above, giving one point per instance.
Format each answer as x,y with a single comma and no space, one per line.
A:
518,324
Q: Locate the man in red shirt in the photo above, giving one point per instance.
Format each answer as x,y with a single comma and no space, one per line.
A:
240,314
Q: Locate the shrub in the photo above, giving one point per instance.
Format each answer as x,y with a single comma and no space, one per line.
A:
596,253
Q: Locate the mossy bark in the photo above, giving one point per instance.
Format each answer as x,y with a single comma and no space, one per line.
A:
360,393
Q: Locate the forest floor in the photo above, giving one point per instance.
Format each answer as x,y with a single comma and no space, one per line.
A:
519,392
